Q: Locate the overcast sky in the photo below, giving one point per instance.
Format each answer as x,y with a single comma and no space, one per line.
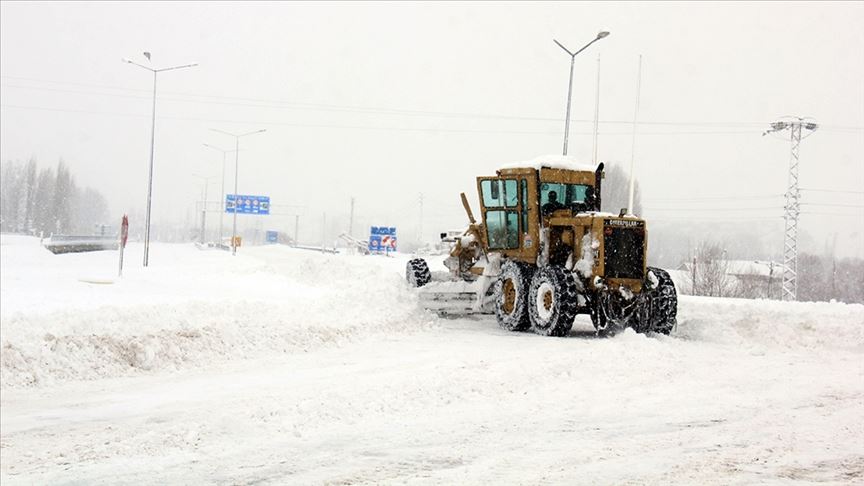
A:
384,102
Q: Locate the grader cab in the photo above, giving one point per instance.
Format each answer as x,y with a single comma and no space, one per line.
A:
543,253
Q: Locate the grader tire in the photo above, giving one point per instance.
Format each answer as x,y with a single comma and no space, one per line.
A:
605,327
417,272
511,296
552,301
663,303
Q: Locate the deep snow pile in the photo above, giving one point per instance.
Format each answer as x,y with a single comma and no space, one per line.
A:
191,307
771,324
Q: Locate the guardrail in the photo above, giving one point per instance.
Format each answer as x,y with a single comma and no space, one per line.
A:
58,244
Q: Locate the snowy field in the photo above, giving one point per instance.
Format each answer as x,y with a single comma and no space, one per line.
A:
287,366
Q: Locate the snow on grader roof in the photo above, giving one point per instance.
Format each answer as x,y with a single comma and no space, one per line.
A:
551,161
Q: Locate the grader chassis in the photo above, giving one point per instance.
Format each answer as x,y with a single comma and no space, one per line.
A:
544,253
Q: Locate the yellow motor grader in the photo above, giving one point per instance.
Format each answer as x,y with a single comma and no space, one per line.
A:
544,253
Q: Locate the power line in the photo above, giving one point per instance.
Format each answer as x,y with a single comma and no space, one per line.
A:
355,127
713,209
271,103
834,205
832,190
718,219
857,215
731,197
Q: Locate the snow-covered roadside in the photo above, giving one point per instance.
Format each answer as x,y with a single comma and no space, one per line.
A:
260,369
770,324
190,308
470,404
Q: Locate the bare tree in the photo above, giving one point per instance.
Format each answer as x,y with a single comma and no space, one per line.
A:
709,272
43,218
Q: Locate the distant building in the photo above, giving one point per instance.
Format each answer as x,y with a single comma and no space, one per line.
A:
735,278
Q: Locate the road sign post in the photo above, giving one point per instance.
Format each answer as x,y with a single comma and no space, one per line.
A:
124,235
245,204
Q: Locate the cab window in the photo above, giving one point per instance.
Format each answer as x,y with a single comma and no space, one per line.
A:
502,229
566,194
499,193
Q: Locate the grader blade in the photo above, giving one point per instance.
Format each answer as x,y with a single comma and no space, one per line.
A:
457,298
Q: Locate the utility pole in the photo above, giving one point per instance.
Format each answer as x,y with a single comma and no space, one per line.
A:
351,220
323,232
693,277
834,268
792,208
596,111
206,180
296,226
633,146
420,228
204,216
770,276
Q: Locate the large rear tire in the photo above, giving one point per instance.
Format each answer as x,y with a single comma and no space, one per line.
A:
511,296
417,272
662,303
552,301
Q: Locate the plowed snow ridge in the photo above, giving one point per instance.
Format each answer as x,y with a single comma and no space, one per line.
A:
283,301
194,308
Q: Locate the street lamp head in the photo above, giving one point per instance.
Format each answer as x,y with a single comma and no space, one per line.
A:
126,60
602,34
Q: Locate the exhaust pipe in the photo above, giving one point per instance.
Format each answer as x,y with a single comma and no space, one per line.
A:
598,179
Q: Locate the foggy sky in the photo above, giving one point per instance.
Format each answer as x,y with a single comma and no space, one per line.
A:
384,102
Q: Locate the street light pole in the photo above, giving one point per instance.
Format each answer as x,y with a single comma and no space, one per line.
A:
236,172
152,148
570,84
222,195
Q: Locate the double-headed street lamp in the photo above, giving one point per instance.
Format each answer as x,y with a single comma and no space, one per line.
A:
236,172
152,145
570,85
222,195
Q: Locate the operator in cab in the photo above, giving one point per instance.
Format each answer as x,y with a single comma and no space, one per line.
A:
553,204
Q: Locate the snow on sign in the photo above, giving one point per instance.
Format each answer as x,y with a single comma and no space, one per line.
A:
247,204
382,239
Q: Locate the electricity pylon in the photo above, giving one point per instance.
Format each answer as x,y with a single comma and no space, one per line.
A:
792,208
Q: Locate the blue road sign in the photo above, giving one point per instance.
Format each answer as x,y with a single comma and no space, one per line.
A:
374,243
383,230
272,236
382,239
247,204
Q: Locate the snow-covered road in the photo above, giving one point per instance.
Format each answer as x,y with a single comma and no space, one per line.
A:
318,379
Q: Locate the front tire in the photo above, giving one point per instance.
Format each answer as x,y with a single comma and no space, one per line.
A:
511,296
417,272
552,301
605,325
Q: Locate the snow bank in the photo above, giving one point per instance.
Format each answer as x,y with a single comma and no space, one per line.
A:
204,307
772,324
